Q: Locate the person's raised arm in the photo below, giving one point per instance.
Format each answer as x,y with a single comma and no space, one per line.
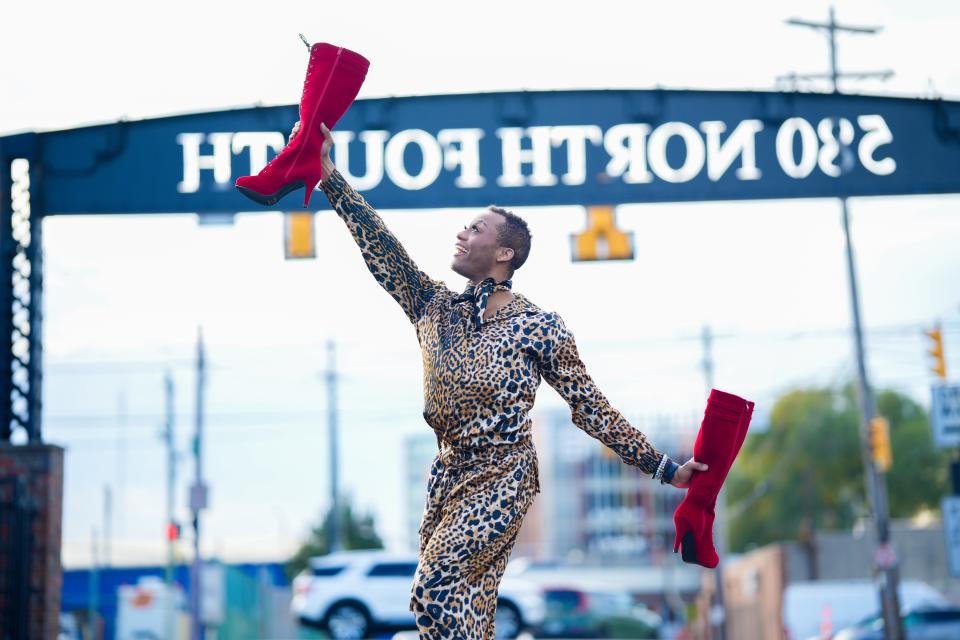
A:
562,368
386,258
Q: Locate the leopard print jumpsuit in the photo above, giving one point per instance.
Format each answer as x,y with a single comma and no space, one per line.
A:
479,387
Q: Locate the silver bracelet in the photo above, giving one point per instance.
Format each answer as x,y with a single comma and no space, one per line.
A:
659,471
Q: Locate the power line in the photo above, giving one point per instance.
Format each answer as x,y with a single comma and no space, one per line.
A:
159,416
157,367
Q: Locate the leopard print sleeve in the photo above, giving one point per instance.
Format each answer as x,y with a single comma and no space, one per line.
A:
386,258
561,367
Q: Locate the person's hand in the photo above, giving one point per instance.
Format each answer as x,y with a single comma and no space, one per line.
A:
294,132
328,166
681,479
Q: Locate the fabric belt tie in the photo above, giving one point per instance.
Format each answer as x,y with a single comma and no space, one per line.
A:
459,458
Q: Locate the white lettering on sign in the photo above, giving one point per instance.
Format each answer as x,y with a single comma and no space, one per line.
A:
193,161
626,144
634,153
876,134
576,138
693,144
514,157
831,142
808,148
835,146
257,142
429,152
742,142
374,143
465,155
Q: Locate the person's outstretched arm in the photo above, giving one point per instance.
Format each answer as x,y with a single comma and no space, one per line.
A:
562,368
385,256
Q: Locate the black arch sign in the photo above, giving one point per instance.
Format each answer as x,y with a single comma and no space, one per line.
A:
575,147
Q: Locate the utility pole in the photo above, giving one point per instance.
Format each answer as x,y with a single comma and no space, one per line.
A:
706,338
171,487
718,611
107,520
331,378
121,463
198,497
93,603
831,28
884,559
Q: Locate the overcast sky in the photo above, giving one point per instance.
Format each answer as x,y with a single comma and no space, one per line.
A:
124,296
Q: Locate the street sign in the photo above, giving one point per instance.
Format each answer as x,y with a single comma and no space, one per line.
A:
945,415
884,556
950,506
198,497
529,148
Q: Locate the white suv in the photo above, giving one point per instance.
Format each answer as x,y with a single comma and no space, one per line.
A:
354,593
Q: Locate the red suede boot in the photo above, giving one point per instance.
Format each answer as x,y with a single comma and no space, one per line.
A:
334,77
724,427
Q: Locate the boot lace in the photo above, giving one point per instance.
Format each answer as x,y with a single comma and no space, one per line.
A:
309,67
304,93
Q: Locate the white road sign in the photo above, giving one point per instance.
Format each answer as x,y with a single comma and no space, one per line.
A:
945,415
951,531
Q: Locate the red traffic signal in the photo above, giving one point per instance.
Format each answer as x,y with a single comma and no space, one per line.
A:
173,531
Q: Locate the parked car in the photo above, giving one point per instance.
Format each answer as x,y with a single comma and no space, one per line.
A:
809,607
921,623
356,593
595,613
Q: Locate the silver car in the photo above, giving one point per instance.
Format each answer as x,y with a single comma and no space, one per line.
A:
921,623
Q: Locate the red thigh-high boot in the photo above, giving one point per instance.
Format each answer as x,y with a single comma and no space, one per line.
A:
724,427
334,77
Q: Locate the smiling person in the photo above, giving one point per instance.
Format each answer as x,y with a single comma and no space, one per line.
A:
485,352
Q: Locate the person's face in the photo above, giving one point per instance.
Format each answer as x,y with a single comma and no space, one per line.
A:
477,251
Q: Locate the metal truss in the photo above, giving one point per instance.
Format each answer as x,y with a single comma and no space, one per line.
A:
21,291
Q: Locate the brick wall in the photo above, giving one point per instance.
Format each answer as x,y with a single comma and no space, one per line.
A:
41,467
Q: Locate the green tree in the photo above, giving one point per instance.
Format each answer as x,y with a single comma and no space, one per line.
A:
806,472
356,532
919,477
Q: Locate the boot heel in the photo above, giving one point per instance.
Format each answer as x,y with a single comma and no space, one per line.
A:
688,550
684,529
311,185
694,542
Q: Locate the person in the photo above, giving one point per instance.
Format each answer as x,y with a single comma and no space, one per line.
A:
485,352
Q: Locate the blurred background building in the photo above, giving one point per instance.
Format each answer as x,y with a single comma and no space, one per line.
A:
592,508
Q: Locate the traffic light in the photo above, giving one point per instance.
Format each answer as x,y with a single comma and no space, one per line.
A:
939,366
602,239
298,237
173,531
880,444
